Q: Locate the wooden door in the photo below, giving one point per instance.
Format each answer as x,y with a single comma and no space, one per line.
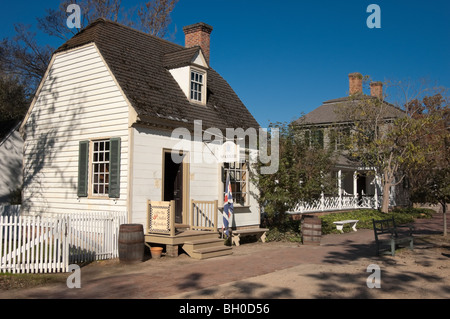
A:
178,194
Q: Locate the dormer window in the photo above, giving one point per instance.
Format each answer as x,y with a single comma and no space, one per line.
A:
196,86
189,68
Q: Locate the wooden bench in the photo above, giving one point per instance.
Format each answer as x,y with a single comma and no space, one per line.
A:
237,234
340,224
387,233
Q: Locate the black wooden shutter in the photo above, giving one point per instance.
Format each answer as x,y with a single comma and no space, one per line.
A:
317,138
83,169
320,138
114,167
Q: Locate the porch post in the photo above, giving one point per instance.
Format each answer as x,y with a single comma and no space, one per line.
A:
340,188
322,201
375,183
355,187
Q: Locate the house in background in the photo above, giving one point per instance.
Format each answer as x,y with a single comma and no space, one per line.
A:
98,134
10,165
357,186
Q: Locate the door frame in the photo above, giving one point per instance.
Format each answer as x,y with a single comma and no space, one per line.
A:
186,182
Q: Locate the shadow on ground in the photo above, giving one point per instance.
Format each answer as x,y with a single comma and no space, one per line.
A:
423,271
242,290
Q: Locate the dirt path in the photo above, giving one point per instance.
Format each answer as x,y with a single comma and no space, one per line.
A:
335,269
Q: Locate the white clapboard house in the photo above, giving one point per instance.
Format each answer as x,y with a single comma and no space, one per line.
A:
99,134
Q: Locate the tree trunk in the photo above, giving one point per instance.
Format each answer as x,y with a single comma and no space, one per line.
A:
385,202
444,212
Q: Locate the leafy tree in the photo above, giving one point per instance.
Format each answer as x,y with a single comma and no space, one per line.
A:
24,59
301,176
387,137
22,56
430,182
13,103
151,17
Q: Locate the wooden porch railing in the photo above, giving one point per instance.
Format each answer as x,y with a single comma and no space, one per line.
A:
203,215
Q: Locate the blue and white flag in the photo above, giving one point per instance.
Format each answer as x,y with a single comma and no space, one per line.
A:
227,207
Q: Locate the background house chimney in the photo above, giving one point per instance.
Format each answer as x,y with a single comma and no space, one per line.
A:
376,89
198,35
355,83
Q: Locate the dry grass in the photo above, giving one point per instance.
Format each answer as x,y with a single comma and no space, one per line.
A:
21,281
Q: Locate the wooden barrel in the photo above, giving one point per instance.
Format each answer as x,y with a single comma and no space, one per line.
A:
311,230
131,243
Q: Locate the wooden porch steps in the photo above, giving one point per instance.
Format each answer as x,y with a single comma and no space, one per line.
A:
197,244
206,248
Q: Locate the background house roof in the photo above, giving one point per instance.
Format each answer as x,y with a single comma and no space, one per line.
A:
139,63
328,112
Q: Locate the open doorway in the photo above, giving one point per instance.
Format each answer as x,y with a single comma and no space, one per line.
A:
361,185
174,184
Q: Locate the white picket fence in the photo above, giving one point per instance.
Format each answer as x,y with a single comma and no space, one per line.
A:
40,244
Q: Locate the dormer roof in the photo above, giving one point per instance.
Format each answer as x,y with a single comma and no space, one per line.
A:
185,57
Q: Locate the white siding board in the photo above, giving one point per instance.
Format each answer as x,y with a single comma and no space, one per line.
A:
80,52
107,125
78,72
88,80
82,62
69,100
78,101
93,85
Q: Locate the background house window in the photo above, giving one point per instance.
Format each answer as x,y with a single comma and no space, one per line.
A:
339,137
314,138
197,86
100,167
238,180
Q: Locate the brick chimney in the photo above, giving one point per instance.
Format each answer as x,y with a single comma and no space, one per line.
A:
376,89
198,35
355,83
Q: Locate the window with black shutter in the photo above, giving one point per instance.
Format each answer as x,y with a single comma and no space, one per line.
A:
100,174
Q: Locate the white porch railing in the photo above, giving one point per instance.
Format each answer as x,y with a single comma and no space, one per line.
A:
331,203
203,215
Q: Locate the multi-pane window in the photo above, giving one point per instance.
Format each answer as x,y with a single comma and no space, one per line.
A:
314,138
238,179
100,167
197,83
339,137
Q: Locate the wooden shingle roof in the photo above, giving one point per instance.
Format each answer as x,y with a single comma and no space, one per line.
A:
140,64
329,111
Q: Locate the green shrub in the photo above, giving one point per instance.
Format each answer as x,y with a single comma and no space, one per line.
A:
284,230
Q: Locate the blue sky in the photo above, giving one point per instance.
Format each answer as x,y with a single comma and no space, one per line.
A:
284,58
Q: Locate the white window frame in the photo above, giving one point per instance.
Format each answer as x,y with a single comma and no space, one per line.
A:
100,157
202,85
239,175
